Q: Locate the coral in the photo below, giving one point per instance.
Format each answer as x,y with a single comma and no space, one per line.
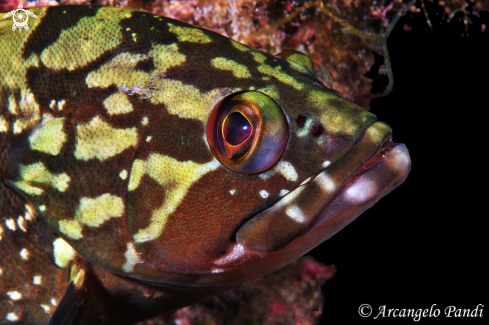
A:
289,296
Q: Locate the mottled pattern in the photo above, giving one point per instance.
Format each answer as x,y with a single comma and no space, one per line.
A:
31,286
106,132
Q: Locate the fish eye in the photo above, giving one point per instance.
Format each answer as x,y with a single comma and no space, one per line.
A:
247,132
236,129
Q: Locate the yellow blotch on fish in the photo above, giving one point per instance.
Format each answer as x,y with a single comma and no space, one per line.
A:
97,139
188,34
37,173
49,137
92,40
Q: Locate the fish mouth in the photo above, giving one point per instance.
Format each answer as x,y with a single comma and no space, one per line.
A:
372,168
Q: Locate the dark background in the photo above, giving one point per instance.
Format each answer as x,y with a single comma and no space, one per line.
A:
426,242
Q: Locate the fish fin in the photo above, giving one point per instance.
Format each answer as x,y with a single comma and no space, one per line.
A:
30,285
310,64
70,308
80,304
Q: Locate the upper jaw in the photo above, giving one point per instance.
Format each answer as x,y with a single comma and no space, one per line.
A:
368,171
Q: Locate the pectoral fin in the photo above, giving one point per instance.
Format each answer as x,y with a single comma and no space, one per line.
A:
81,303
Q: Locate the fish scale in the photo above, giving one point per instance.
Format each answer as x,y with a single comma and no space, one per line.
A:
18,272
116,165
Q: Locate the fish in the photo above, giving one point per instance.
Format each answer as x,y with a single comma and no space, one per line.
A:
147,164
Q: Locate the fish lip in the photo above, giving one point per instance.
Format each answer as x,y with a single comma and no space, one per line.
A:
381,157
297,213
375,160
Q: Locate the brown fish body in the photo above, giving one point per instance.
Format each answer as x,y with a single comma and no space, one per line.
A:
158,163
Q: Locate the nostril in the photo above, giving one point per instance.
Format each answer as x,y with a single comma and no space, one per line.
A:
301,121
316,129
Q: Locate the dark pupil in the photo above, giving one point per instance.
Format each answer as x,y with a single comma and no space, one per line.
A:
236,129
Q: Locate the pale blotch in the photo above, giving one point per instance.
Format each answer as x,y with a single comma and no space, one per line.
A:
30,112
238,70
17,127
46,308
63,254
361,190
189,34
1,232
118,103
239,46
12,105
71,228
284,192
283,167
29,174
180,99
28,106
52,104
94,37
12,317
325,182
29,212
235,254
10,223
399,159
287,170
42,208
137,172
97,139
326,164
232,192
61,104
120,71
264,194
132,258
24,253
166,56
53,302
295,213
49,137
184,100
14,295
37,173
60,182
175,177
94,212
337,122
287,199
280,75
21,223
1,271
37,279
258,57
145,121
77,276
148,138
123,174
3,124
